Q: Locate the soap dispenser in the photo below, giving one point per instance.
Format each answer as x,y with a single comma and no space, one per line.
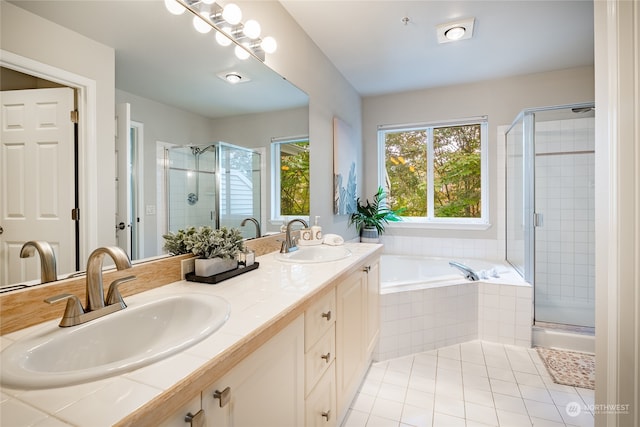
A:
316,230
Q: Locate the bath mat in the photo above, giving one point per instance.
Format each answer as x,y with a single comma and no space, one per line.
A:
569,367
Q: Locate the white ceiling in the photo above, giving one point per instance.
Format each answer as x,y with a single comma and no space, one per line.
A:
160,56
368,42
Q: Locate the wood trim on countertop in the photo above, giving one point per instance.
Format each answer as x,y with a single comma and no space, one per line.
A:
170,401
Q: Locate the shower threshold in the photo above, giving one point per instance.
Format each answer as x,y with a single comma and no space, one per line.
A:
567,337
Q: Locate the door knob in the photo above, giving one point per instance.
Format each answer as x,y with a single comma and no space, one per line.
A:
120,226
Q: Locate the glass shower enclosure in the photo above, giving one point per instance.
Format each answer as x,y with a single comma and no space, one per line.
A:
216,185
550,205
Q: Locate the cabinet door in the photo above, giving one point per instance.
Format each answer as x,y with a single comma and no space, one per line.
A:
350,337
266,389
373,306
321,403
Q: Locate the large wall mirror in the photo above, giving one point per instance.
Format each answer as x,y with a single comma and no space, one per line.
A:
177,113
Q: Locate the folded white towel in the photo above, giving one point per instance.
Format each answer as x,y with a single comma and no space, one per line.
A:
333,240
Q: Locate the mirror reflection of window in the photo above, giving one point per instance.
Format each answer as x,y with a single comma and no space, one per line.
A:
290,172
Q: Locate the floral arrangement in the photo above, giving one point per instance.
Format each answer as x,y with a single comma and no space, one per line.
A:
205,242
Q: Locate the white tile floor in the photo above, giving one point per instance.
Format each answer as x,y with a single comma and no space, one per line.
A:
471,384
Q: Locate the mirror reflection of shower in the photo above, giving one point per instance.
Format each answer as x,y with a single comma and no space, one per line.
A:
192,198
213,184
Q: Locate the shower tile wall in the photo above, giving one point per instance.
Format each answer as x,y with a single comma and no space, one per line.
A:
565,246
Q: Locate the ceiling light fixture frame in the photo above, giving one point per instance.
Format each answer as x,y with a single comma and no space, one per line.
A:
466,24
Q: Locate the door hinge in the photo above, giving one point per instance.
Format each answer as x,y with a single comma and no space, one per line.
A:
75,214
74,116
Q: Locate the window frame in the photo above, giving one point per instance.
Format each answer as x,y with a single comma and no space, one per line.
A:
430,221
276,143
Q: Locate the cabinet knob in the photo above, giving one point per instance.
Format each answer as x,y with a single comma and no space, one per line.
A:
366,268
327,415
327,315
224,396
326,357
196,420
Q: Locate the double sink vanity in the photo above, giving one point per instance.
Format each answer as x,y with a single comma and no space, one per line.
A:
284,345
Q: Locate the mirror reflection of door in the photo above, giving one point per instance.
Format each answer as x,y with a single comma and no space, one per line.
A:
37,179
128,218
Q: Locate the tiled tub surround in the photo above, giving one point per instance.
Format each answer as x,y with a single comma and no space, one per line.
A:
452,312
262,303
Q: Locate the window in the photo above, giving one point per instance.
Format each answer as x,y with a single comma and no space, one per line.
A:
290,177
437,172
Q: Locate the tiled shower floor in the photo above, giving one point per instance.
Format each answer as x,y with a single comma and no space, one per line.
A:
471,384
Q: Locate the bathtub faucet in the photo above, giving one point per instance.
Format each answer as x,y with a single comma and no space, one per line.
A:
467,271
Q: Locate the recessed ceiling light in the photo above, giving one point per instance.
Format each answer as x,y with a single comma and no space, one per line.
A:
233,77
454,31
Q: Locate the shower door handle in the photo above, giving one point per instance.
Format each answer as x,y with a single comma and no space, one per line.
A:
538,220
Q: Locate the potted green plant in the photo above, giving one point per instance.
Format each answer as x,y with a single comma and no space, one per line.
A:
217,249
370,218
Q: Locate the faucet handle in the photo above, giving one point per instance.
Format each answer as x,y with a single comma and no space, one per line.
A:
72,311
113,294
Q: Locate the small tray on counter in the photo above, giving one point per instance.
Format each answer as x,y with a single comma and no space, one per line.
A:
217,278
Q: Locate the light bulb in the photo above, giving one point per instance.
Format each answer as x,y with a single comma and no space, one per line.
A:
221,38
241,53
269,44
200,25
252,29
233,78
455,33
232,14
174,7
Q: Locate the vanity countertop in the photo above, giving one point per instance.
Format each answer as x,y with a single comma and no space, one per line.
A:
262,301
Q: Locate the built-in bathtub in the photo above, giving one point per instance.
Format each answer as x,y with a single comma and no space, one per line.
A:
427,304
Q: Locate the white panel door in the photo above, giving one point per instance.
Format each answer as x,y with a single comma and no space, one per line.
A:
36,179
123,177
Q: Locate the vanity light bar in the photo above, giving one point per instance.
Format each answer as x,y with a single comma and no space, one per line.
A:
226,21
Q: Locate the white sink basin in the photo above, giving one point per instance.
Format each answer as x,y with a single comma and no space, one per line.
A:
311,254
116,343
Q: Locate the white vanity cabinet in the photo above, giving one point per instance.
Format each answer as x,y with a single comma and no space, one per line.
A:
320,373
266,389
357,329
308,373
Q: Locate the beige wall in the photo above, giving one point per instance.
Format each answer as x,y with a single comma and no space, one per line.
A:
501,100
30,36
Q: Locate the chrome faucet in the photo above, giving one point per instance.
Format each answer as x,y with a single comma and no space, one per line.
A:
255,222
74,313
289,243
467,271
47,259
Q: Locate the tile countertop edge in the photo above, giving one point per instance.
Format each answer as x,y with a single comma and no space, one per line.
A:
174,398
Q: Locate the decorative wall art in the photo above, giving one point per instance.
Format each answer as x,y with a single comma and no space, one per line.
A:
345,152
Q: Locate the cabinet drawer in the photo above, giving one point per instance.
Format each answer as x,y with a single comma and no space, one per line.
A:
318,359
321,404
319,318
